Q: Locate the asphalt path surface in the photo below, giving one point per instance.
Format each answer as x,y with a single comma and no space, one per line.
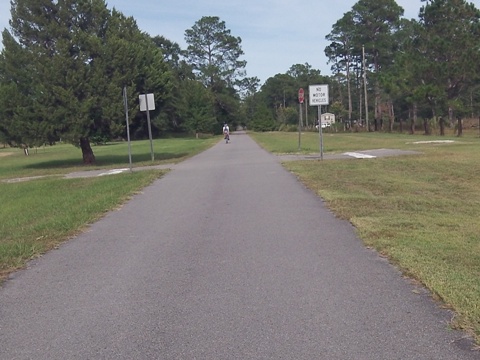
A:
228,256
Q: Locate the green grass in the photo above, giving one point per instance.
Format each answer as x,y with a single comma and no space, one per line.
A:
63,158
422,211
287,143
39,214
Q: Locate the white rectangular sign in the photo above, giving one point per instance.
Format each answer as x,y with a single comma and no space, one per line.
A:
143,105
318,95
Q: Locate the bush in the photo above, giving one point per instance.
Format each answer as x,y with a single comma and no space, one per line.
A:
99,139
288,128
262,124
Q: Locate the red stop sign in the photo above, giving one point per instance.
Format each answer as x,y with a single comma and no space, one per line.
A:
301,96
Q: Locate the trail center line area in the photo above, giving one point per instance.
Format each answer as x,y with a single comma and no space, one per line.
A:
227,256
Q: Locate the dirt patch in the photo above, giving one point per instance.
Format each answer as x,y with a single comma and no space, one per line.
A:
434,142
364,154
2,154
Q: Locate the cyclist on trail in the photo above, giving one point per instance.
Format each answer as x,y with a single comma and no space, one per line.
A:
226,132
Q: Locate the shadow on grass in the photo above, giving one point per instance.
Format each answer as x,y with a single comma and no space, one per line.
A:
109,160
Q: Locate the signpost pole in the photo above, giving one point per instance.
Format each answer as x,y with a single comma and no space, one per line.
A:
301,98
306,113
149,128
319,96
300,127
320,131
125,103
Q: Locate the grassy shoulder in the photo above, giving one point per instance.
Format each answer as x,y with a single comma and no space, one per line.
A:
40,214
64,158
420,211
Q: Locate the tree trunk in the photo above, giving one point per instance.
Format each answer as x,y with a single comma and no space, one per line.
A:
360,110
392,116
378,110
460,126
442,126
426,128
87,152
414,119
349,89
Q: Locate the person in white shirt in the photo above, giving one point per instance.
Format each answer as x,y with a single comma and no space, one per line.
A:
226,132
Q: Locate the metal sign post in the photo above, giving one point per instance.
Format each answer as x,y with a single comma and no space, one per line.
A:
125,104
301,98
318,97
147,103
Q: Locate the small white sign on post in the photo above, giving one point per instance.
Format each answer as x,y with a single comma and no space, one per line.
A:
147,106
318,95
143,104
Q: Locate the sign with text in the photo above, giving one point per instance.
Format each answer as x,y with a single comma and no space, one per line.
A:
318,95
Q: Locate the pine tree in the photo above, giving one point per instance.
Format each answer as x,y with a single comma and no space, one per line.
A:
449,45
79,55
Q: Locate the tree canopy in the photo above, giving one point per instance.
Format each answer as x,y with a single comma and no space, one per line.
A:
411,66
77,56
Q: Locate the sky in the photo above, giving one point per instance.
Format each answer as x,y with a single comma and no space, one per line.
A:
276,34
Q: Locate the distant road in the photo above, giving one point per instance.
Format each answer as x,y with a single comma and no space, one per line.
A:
228,256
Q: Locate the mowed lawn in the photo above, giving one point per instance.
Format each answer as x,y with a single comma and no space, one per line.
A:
41,213
421,211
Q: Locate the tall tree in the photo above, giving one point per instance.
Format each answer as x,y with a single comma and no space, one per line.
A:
376,21
449,39
340,52
214,55
280,91
177,100
199,114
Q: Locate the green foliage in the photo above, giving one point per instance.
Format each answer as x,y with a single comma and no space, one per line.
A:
415,65
339,110
375,22
287,116
77,57
447,26
280,90
199,114
173,118
214,55
261,119
288,127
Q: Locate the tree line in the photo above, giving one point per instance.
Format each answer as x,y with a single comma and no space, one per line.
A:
426,68
388,72
65,63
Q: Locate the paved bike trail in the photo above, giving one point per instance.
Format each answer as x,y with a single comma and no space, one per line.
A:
227,256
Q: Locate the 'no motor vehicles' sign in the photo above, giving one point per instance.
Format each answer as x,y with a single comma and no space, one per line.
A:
318,95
